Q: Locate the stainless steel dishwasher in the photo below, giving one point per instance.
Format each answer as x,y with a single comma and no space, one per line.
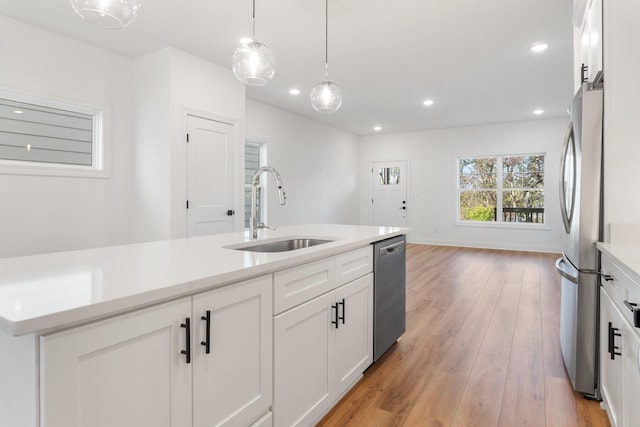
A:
389,294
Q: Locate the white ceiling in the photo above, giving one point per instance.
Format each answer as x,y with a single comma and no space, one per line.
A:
471,57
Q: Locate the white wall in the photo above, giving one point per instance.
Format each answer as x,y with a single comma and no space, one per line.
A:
318,165
203,87
621,39
145,101
42,214
323,168
169,84
151,177
432,197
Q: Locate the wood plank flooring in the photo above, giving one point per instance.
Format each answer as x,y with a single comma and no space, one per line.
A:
481,348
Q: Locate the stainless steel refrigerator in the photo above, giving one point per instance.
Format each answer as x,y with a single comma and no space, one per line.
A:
581,208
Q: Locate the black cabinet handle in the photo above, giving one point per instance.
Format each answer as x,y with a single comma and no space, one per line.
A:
343,310
207,334
335,322
187,351
613,333
636,312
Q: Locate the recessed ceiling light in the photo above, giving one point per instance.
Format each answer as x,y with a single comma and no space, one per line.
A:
246,40
18,111
428,102
539,47
294,92
538,112
377,128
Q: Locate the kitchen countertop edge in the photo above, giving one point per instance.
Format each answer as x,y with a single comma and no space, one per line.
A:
625,255
64,319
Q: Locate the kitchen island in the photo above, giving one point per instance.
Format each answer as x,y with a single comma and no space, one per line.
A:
185,327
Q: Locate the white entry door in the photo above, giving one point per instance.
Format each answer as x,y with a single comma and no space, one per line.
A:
389,193
210,188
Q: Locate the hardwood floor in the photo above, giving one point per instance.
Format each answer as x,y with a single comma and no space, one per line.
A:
481,348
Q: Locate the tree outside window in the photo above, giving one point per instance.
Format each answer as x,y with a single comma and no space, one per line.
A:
501,189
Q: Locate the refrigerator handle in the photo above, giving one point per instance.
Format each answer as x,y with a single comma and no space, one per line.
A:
564,272
566,216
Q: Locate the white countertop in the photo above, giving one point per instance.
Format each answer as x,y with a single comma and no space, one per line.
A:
41,293
625,255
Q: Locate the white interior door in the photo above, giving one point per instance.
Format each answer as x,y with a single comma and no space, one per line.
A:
389,193
210,189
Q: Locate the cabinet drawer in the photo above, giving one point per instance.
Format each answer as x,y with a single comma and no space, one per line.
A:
299,284
353,265
620,287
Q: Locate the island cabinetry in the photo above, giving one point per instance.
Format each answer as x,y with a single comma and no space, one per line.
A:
151,367
322,346
619,345
233,382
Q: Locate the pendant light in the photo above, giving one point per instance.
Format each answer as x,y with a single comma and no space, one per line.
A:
110,14
253,62
326,96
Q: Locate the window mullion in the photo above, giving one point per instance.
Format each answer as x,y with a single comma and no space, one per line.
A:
499,188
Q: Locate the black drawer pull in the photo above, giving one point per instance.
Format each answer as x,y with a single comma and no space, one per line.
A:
335,321
207,334
187,351
613,333
343,310
636,312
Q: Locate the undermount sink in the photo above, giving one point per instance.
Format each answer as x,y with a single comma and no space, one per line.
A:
283,245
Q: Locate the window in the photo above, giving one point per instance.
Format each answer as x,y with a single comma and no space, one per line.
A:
501,189
251,164
40,136
389,176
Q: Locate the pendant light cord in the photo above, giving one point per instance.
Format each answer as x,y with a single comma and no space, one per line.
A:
253,34
326,40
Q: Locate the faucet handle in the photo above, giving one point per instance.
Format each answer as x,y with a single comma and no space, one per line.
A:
263,225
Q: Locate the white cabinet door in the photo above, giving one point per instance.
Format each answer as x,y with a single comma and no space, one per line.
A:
611,365
303,361
354,335
594,23
631,378
591,39
232,383
126,371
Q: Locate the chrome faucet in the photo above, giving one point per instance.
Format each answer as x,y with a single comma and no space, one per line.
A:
254,225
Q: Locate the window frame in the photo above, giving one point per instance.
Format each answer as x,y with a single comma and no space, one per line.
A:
98,168
262,153
499,193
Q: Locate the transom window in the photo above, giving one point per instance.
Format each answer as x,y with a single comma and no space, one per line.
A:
45,136
501,189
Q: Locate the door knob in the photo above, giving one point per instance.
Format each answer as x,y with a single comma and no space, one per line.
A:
231,212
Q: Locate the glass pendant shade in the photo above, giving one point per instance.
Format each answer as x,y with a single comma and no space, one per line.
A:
110,14
326,97
253,64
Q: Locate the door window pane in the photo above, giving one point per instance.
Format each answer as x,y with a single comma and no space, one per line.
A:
389,176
